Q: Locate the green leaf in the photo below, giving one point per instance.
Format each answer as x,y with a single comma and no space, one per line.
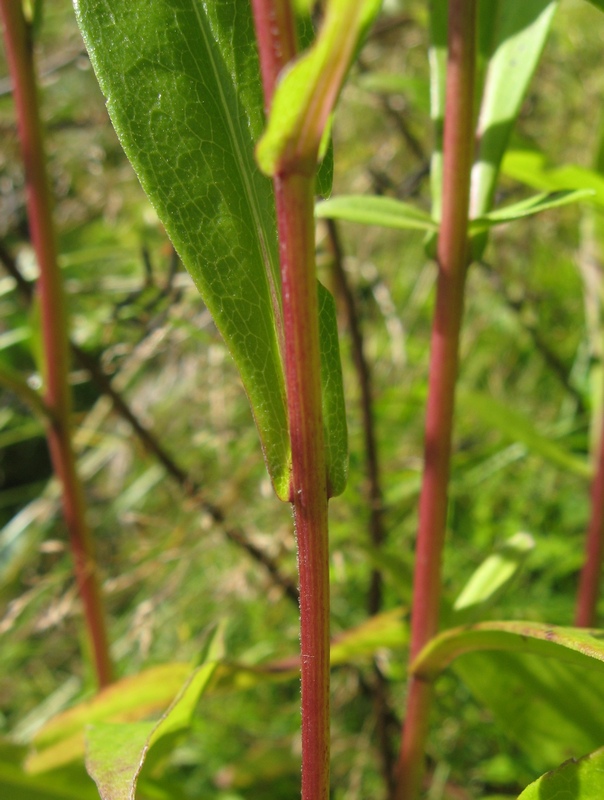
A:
516,31
598,4
528,207
572,645
532,167
520,429
575,780
115,753
551,710
308,91
183,92
495,572
372,210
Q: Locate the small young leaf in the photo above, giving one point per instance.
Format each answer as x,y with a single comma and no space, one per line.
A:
531,167
308,91
372,210
115,753
573,780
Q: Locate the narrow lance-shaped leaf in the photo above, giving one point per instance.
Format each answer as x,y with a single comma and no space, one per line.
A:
518,30
183,92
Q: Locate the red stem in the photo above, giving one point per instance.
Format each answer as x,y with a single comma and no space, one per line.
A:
57,394
294,196
591,574
452,256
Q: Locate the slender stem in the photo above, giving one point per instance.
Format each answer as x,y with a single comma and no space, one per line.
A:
57,394
452,256
591,573
294,197
295,202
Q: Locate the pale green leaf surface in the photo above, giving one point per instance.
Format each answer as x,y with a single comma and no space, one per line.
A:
181,81
115,753
371,210
520,429
308,91
551,709
518,30
572,645
528,207
495,572
532,168
581,779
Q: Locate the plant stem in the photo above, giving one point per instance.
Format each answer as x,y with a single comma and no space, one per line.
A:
57,394
591,573
295,203
294,198
452,257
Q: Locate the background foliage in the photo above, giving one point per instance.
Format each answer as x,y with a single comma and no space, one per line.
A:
531,345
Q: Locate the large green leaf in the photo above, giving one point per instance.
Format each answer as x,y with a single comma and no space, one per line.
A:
574,780
115,753
183,92
513,33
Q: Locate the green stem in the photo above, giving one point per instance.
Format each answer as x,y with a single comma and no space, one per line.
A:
57,394
452,257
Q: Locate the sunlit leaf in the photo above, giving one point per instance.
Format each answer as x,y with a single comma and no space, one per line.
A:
571,645
517,30
532,167
574,780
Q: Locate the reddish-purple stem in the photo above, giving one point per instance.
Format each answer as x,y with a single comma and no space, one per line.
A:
57,394
294,196
452,257
591,574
